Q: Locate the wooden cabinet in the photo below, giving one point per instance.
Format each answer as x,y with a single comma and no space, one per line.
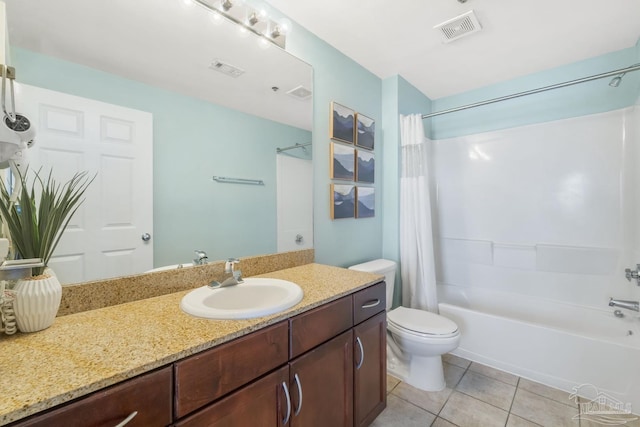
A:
207,376
323,367
370,373
321,384
263,403
148,396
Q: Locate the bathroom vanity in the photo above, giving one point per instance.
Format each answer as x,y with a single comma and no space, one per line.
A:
321,363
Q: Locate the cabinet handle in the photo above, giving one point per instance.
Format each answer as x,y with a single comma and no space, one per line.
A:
299,408
359,365
286,393
126,420
371,303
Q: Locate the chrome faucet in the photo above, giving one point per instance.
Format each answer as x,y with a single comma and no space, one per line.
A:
201,257
231,275
629,305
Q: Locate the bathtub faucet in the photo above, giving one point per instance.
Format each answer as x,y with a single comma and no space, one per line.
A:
629,305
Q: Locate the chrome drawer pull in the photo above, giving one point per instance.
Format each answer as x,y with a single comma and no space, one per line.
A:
126,420
286,393
359,365
297,379
371,303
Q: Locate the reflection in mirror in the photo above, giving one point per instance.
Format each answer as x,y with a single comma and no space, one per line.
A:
137,91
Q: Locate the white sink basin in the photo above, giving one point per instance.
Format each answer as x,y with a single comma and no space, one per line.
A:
170,267
255,297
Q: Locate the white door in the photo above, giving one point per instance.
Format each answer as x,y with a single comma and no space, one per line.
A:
104,238
295,203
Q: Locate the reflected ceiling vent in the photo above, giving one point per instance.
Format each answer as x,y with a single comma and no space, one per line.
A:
458,27
225,68
300,92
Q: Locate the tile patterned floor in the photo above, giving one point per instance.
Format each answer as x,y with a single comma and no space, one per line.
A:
480,396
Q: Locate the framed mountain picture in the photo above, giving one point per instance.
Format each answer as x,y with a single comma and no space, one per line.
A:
365,202
342,162
343,201
365,131
342,123
365,166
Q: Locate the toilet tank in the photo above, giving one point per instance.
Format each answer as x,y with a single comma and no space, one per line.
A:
381,266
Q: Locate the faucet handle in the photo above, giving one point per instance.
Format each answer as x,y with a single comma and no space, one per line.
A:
229,266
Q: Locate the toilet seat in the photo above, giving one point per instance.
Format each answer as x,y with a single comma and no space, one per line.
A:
422,323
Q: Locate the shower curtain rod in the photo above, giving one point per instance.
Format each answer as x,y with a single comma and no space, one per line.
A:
635,67
280,150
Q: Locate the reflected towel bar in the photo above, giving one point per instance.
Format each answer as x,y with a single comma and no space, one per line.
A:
229,180
298,145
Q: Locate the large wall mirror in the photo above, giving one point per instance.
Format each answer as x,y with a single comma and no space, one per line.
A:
158,98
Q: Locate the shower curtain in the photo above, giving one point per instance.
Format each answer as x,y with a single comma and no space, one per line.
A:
416,236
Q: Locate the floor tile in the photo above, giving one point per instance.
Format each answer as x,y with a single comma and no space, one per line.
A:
431,401
496,374
441,422
516,421
546,391
465,411
392,382
455,360
400,413
542,410
487,389
452,374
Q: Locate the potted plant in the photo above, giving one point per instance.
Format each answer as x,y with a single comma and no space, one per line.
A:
35,218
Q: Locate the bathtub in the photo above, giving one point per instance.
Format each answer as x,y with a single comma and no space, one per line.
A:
557,344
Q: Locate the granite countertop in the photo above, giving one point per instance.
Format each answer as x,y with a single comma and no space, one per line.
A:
87,351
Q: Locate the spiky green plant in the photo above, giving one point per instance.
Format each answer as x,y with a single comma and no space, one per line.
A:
40,213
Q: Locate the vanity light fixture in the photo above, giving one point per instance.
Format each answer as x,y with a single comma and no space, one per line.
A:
250,19
253,19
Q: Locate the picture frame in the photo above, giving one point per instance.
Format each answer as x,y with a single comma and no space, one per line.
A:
343,162
342,124
365,166
343,201
365,202
365,132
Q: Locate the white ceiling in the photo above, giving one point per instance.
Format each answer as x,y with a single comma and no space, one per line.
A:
169,44
518,37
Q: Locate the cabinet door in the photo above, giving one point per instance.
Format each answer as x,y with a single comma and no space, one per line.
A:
263,403
370,373
208,376
321,385
148,396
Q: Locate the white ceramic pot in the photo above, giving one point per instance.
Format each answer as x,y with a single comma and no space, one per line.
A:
37,302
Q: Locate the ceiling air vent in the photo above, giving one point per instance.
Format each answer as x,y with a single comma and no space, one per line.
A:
300,92
460,26
225,68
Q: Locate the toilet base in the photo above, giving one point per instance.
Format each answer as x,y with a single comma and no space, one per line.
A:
426,373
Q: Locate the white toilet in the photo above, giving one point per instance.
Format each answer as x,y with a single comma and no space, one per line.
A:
416,339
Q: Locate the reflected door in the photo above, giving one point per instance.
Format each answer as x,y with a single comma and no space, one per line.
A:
295,203
104,238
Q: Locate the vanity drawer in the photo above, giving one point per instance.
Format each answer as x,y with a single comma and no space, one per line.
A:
207,376
149,395
316,326
369,302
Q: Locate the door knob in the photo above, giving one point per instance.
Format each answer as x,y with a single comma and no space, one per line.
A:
146,237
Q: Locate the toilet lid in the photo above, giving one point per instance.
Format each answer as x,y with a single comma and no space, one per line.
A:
421,321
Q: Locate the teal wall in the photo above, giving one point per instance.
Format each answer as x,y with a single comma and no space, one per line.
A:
193,140
582,99
338,78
